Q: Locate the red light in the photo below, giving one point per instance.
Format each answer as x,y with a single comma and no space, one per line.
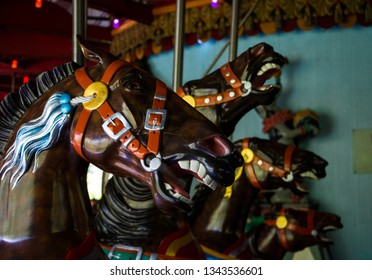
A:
14,63
38,3
26,79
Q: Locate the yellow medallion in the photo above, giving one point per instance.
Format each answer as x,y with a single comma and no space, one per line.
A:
100,92
189,99
247,154
281,222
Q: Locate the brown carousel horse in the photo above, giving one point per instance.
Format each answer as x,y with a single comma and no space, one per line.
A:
112,115
128,224
219,220
286,230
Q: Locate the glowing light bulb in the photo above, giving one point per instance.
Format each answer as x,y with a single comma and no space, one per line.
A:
116,23
214,4
14,64
38,3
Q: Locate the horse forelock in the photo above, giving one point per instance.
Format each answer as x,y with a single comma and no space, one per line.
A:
15,105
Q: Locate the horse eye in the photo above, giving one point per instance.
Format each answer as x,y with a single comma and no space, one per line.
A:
133,86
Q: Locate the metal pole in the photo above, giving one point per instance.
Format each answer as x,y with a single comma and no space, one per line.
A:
234,30
79,28
178,45
248,14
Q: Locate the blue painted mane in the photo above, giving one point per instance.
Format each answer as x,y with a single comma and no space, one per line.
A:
15,105
39,134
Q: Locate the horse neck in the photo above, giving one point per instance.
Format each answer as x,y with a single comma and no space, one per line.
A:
223,218
128,204
265,243
51,199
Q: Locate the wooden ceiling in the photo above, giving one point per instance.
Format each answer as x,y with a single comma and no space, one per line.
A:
41,38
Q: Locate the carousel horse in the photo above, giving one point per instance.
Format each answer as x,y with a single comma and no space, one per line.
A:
227,94
219,218
113,115
286,230
128,224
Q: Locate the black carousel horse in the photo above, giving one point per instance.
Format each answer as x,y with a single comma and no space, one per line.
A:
113,115
128,223
287,230
282,231
219,217
230,92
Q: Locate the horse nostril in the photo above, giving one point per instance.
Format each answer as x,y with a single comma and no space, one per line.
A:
218,145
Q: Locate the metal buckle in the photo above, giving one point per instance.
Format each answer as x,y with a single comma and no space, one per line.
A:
161,112
139,250
110,120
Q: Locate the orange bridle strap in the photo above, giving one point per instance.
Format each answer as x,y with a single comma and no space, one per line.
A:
309,230
115,124
267,166
218,98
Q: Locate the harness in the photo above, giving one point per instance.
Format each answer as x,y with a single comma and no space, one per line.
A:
115,125
228,95
251,158
282,224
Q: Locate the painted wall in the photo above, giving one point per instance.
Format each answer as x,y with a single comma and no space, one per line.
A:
329,71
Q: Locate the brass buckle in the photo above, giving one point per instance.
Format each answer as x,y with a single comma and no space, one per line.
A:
110,120
160,112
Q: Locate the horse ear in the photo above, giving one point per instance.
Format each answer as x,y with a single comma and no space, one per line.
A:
94,53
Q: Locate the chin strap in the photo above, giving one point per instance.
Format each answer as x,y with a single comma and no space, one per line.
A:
115,125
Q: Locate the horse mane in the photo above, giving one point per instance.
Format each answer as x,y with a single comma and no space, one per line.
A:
15,105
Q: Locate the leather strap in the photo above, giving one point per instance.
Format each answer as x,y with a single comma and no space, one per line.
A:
223,97
267,166
156,116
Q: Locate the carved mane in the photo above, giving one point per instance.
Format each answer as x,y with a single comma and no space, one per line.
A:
15,105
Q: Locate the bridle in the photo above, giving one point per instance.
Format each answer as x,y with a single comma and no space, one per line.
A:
251,158
238,88
282,224
115,125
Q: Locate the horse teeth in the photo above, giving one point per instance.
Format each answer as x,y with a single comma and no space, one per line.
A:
213,185
267,67
182,198
207,180
309,174
168,187
202,171
184,164
194,165
329,228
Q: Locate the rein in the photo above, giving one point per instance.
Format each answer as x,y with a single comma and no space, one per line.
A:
223,97
282,224
115,125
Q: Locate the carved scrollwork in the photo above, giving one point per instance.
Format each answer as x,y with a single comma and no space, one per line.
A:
271,14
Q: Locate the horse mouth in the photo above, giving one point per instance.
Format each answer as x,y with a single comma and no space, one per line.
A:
173,181
320,233
298,187
263,80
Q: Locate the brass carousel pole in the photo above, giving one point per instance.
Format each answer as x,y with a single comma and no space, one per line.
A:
178,45
79,28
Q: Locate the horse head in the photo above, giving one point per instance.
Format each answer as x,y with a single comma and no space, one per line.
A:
133,125
270,165
228,93
291,230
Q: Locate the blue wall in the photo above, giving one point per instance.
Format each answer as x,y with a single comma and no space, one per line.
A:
329,71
